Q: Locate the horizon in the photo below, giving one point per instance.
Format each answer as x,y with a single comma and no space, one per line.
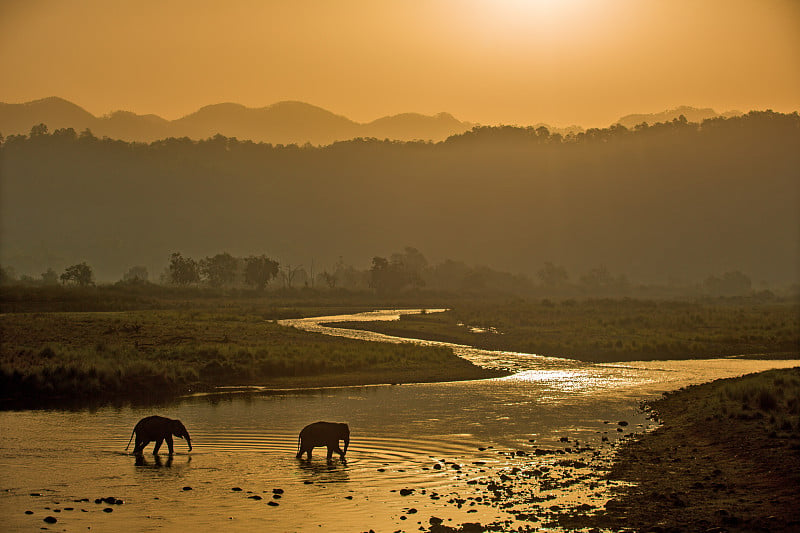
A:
568,63
667,110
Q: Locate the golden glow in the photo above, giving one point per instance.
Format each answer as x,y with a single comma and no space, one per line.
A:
489,61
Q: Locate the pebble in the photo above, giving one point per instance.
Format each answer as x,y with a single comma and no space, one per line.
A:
272,503
187,488
406,492
255,497
50,519
108,510
28,512
236,489
277,491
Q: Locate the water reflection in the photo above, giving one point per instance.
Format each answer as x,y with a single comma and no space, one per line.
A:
158,461
324,471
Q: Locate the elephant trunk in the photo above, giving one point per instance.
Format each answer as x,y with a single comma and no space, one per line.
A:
188,440
346,444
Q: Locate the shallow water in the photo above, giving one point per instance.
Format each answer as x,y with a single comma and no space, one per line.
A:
474,431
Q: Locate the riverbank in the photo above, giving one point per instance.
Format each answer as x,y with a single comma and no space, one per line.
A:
153,356
726,458
613,330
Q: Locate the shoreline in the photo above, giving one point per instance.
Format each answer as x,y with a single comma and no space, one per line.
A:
278,385
725,458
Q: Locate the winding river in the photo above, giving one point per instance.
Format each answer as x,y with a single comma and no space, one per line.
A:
500,451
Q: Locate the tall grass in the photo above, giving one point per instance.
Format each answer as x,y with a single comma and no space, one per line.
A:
614,330
165,352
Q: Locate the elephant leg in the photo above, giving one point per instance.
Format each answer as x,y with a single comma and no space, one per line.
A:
159,442
140,444
339,451
169,443
330,452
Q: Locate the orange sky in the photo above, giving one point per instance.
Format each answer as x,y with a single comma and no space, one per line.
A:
563,62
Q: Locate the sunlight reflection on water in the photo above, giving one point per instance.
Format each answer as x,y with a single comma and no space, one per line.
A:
443,440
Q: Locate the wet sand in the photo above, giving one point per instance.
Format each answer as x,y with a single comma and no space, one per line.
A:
698,471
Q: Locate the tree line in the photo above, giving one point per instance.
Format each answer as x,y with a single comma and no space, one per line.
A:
401,272
675,200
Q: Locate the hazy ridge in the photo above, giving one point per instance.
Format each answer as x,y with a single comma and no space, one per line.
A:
280,123
675,201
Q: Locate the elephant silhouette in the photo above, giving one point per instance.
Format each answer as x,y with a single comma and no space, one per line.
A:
158,429
323,434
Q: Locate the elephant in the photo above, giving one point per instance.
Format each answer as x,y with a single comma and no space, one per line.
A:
159,429
323,434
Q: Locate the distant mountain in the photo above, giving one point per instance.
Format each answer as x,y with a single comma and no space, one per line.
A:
692,114
55,112
280,123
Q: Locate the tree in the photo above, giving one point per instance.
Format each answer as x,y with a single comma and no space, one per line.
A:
386,276
87,135
731,284
289,273
553,275
329,279
219,270
39,130
136,274
80,274
183,270
259,271
7,275
50,277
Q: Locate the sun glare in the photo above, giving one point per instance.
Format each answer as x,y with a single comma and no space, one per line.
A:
515,20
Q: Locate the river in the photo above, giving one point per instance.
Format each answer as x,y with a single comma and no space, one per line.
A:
418,452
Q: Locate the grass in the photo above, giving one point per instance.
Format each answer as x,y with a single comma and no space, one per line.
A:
614,330
144,354
772,397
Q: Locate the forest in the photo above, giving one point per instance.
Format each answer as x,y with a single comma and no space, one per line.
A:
674,202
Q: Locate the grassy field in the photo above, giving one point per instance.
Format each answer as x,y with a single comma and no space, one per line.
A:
614,330
146,342
141,355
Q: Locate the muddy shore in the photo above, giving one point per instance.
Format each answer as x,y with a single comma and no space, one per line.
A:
725,458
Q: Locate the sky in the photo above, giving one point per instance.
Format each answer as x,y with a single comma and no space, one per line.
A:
562,62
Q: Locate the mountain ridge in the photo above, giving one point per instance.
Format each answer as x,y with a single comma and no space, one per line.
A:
284,122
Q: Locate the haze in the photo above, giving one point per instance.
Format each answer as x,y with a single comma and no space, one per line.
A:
515,62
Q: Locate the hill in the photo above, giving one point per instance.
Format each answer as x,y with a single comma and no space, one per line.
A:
674,201
280,123
692,114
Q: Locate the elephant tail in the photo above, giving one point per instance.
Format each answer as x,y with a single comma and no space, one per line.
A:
129,440
298,444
